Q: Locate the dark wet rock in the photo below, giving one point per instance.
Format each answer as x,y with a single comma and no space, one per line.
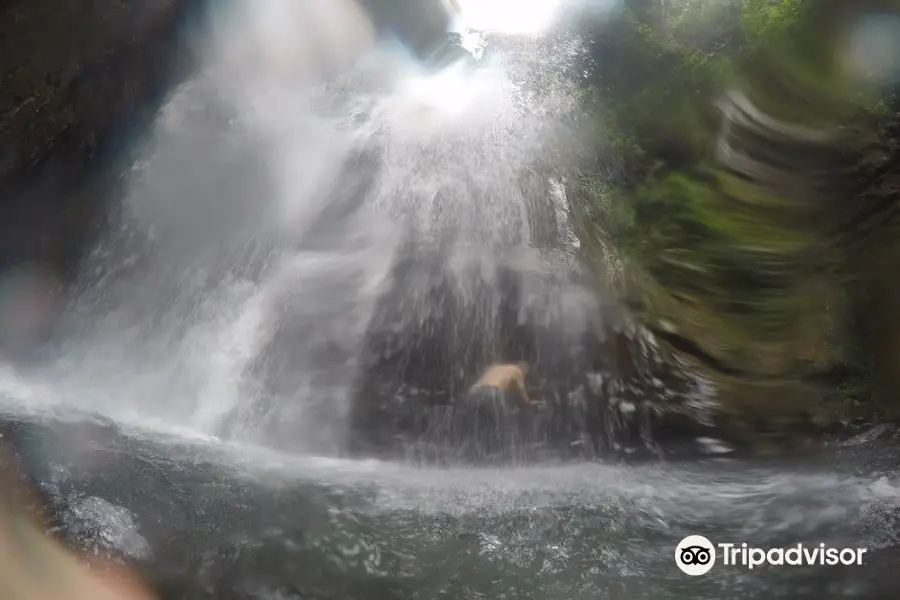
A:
451,52
421,25
606,387
80,80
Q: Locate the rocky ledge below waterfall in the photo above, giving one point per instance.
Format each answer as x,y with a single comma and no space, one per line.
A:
608,390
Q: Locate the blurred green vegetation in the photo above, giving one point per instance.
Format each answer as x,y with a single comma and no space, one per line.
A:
747,180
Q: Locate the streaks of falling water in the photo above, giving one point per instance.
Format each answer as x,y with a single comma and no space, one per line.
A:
269,206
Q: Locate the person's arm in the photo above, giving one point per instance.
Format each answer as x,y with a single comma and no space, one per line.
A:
519,388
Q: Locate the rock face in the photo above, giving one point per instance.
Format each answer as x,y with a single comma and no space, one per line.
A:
606,388
79,79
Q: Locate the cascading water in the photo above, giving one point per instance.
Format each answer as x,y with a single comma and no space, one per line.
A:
273,200
310,190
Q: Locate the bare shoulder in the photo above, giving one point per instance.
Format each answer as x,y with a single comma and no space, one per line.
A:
500,375
508,370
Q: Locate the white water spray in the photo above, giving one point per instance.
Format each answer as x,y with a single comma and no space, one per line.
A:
263,221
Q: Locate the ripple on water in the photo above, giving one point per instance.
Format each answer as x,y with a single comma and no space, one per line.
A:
103,527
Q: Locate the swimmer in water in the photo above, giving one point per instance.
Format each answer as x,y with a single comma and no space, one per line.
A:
482,414
503,382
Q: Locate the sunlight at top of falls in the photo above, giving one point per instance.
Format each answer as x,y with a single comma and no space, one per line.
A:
447,90
523,17
452,90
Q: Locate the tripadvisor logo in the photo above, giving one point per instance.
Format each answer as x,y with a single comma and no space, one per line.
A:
696,555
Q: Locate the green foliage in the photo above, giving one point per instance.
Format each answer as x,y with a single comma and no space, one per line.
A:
763,18
739,253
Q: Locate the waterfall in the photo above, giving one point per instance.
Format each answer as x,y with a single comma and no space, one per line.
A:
280,189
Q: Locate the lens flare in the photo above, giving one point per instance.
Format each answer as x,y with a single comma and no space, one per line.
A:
873,50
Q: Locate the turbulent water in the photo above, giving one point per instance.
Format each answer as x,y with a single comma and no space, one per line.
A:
206,520
188,412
